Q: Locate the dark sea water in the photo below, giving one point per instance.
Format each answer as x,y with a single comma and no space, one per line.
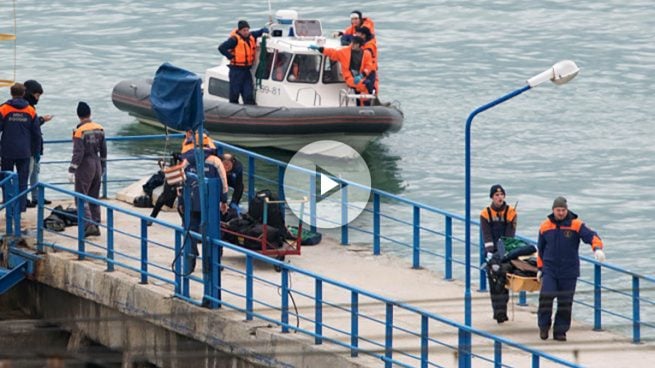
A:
591,140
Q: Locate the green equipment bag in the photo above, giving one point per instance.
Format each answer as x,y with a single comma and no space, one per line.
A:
512,243
307,237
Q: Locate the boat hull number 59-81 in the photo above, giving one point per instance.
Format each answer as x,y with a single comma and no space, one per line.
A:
272,90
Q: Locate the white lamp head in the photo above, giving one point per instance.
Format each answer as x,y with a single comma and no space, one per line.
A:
560,73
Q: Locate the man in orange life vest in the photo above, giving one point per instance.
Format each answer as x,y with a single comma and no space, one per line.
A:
356,20
88,163
240,49
497,220
357,64
21,137
559,266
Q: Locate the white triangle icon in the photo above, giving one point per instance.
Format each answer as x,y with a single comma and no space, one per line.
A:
327,184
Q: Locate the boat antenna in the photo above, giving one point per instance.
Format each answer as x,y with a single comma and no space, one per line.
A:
270,12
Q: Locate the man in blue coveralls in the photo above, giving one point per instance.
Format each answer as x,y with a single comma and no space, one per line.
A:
559,266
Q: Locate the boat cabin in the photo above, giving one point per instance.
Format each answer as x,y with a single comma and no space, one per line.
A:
286,72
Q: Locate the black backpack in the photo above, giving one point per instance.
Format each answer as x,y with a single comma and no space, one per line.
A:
274,212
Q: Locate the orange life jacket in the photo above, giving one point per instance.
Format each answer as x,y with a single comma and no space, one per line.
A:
366,22
244,52
187,145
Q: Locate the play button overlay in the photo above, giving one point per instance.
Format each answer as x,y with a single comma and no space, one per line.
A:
327,185
333,182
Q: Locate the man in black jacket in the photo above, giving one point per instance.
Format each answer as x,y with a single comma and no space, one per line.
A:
33,92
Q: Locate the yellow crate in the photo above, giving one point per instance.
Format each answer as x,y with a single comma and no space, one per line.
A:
521,283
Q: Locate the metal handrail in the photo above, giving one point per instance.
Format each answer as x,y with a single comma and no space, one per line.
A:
448,234
318,321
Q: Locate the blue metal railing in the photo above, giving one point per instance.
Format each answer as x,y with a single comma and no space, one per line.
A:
431,227
322,320
436,236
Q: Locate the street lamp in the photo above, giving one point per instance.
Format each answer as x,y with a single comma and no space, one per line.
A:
560,73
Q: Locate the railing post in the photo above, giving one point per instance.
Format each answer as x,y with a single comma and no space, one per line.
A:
354,324
425,333
104,184
464,348
535,360
523,299
597,298
187,241
448,272
144,251
498,354
376,224
17,208
285,299
312,202
177,267
110,239
280,188
211,253
388,341
416,249
251,177
482,254
318,311
344,213
80,228
249,288
39,217
636,314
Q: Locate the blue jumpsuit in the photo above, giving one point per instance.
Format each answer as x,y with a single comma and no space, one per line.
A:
559,262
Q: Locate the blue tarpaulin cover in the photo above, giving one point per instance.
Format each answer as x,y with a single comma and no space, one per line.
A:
176,97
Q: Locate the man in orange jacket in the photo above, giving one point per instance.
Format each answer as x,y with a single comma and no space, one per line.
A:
357,64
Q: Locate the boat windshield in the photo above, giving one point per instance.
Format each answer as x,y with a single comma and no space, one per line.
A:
305,69
282,61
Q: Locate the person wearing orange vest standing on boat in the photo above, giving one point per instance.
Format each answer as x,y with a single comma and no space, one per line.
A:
240,49
33,92
559,266
372,82
356,20
497,220
356,64
21,137
87,165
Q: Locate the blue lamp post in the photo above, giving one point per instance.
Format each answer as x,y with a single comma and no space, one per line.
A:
560,73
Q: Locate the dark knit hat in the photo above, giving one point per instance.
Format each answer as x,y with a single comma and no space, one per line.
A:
496,188
83,110
242,24
32,86
560,202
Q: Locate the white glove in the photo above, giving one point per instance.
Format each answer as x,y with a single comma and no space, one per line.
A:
489,256
540,275
599,255
71,177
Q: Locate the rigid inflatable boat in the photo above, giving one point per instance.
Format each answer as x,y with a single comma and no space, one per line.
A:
301,96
